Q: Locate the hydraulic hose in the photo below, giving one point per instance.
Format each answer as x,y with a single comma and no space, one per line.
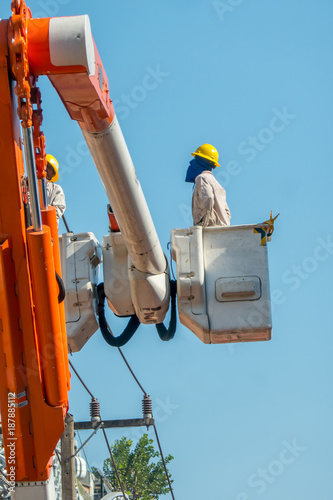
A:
62,290
164,333
27,215
108,336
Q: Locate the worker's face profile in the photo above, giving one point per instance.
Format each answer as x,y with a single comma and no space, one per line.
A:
49,172
193,170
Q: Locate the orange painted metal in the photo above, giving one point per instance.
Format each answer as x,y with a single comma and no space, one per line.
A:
26,90
113,224
15,418
48,323
39,50
50,219
19,59
39,138
91,107
86,97
39,425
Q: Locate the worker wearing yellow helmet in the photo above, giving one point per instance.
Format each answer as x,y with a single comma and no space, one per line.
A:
55,193
209,204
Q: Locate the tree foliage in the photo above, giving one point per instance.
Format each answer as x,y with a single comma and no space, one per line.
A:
141,477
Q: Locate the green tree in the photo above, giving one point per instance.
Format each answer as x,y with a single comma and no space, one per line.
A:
141,477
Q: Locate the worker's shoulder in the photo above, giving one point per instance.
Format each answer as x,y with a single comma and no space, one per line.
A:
55,188
208,177
205,177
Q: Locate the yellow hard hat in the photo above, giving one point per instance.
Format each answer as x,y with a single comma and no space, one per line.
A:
208,152
55,165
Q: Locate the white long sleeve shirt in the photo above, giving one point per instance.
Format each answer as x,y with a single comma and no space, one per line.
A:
56,198
209,204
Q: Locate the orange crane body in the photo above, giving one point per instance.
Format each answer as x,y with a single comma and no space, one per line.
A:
32,334
34,371
34,368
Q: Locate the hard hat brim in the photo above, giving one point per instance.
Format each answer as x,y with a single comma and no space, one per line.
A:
55,178
206,158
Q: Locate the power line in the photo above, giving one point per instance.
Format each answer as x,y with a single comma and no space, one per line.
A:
107,442
164,464
131,371
80,379
157,438
114,463
84,451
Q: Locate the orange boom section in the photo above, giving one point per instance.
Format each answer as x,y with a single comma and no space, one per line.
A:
39,50
50,219
48,320
83,88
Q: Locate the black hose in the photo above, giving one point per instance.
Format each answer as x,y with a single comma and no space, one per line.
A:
62,289
164,333
27,215
66,225
129,331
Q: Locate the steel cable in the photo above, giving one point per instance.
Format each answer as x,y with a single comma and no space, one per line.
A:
131,371
80,379
108,445
157,438
164,464
105,436
114,463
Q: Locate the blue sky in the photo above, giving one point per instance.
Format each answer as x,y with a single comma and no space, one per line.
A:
243,421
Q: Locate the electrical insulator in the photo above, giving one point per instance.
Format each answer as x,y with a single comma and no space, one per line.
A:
147,407
94,412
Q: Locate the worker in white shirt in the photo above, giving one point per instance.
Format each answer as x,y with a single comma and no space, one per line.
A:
209,204
55,193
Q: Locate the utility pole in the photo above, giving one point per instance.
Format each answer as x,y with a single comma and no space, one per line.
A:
68,460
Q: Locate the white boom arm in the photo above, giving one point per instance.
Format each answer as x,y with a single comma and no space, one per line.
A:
68,55
116,169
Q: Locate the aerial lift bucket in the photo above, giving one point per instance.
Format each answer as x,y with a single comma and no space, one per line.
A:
223,282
